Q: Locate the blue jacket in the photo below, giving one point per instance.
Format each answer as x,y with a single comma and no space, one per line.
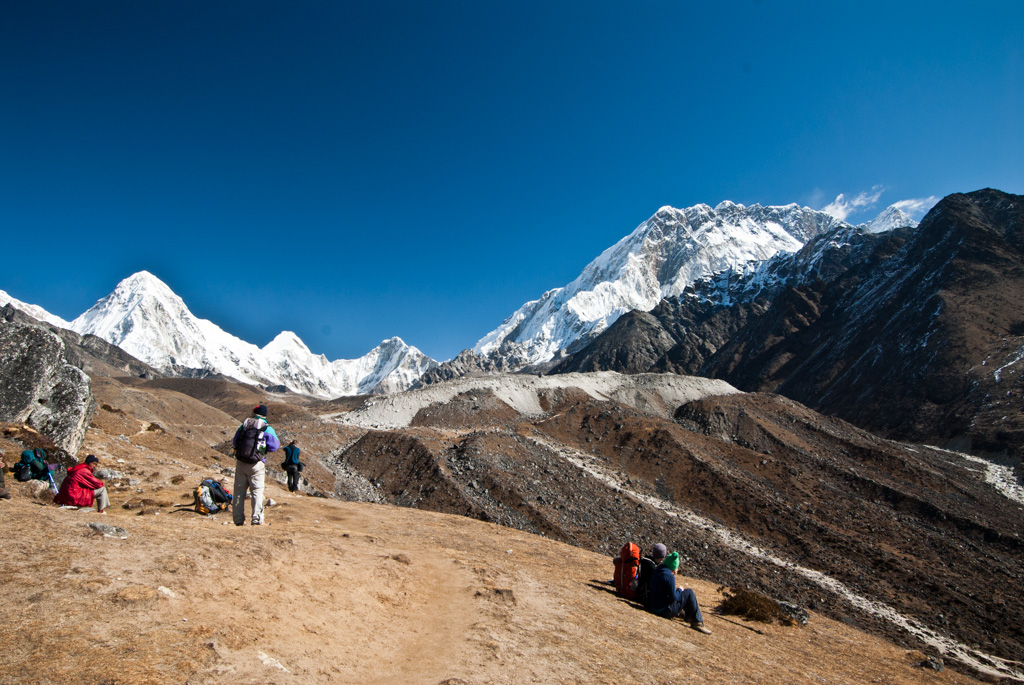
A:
661,592
291,454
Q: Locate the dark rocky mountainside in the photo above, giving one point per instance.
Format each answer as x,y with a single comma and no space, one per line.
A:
916,334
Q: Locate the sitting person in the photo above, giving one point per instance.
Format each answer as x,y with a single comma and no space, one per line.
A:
81,488
32,466
664,598
4,494
647,567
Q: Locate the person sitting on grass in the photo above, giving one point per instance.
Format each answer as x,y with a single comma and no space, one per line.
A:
81,488
665,599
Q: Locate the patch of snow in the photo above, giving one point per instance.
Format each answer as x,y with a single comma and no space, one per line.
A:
1002,478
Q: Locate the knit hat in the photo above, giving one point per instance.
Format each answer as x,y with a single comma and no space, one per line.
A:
659,551
672,561
260,410
91,459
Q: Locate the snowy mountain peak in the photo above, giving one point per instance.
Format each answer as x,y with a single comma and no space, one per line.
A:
660,258
286,341
144,317
890,219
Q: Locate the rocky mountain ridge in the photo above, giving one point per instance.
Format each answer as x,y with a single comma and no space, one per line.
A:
660,258
916,334
149,321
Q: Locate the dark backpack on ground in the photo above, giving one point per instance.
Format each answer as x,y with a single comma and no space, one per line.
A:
250,437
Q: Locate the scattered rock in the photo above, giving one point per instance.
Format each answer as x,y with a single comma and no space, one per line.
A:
109,531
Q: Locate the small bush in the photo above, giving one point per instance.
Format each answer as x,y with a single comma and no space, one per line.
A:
753,606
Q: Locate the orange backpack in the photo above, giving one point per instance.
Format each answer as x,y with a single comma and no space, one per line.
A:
627,571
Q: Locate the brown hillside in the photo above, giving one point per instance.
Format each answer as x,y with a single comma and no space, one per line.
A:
344,592
331,591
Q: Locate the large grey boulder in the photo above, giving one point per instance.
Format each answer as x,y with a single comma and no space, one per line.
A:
40,388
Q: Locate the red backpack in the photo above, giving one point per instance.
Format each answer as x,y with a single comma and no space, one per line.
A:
627,571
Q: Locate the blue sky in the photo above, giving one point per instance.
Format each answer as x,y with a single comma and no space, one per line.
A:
353,171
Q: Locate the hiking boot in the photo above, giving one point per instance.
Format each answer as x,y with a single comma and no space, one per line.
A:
4,494
699,627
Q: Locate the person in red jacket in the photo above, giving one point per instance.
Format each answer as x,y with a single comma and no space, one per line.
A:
81,488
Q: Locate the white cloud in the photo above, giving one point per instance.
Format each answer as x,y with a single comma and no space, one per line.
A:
916,208
842,207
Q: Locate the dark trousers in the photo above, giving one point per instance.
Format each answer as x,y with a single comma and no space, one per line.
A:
686,604
293,477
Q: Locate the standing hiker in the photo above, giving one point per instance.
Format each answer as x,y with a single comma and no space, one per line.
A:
664,598
292,465
81,487
253,439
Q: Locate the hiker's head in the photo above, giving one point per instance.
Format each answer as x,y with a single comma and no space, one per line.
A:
672,561
292,443
260,410
658,552
91,459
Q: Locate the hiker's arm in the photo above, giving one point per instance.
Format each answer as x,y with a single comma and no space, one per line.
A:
273,444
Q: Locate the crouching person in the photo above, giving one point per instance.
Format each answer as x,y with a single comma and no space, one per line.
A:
81,488
664,598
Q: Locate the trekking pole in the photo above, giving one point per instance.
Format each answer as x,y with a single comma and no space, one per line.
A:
52,484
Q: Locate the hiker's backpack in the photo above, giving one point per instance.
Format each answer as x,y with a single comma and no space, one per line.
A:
643,582
203,500
250,439
220,495
627,571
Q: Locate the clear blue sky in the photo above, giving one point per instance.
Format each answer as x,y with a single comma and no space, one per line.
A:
353,171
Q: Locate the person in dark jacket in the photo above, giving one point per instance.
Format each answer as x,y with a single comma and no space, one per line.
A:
665,599
292,465
647,567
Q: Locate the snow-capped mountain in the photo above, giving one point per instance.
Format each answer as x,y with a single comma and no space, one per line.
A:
893,217
34,311
824,257
659,259
149,321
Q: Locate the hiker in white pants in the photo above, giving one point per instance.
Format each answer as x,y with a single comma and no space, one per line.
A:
253,439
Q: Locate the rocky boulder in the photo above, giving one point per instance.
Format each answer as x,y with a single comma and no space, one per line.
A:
41,388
